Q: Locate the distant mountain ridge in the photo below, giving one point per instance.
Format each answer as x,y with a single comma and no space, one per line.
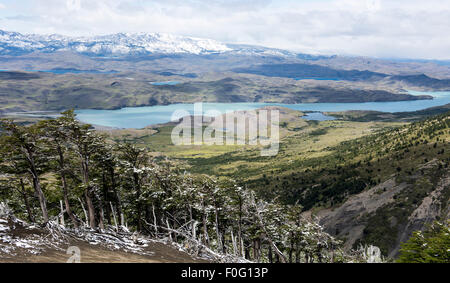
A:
12,43
173,54
125,44
300,71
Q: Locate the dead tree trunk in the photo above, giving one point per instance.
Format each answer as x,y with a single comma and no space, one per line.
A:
107,213
114,216
154,220
291,250
41,197
216,214
205,227
101,213
62,213
240,227
270,254
117,196
65,187
137,187
26,201
88,193
84,211
37,183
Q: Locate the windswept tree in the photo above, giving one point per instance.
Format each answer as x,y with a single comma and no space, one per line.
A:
134,160
16,178
109,162
429,246
158,199
56,137
85,143
26,143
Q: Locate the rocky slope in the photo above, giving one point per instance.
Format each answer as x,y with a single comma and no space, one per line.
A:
350,221
408,188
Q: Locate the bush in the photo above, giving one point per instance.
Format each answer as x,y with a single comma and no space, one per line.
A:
430,246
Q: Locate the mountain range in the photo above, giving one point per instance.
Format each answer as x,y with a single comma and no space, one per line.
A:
54,72
120,44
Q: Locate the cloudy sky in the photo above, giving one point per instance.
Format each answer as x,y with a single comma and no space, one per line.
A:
378,28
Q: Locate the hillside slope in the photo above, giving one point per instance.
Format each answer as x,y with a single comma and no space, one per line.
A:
382,187
37,91
22,242
388,213
369,182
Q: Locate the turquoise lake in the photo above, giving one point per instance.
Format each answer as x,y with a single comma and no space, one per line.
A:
165,83
317,79
139,117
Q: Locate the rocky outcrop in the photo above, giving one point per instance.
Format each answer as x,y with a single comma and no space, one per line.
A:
349,220
346,221
433,207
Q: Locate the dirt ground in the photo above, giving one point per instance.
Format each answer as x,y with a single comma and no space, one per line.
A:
20,242
98,254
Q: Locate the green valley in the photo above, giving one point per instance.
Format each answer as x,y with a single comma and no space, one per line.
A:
324,166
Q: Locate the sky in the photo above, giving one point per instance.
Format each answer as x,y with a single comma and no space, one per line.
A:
376,28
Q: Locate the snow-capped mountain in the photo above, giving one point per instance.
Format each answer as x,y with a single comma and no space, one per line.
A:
124,44
13,43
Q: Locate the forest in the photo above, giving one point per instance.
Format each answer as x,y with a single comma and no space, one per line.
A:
61,169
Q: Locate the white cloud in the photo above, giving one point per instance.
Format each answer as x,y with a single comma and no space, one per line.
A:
380,28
